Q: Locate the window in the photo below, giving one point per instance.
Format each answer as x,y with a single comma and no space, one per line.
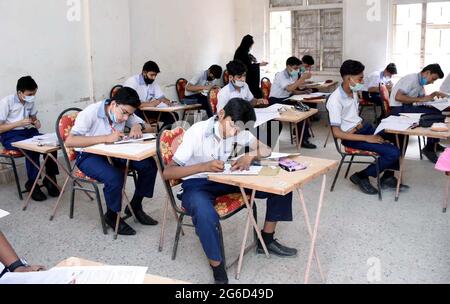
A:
421,34
308,27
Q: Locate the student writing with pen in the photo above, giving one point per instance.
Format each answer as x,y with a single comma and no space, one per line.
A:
104,122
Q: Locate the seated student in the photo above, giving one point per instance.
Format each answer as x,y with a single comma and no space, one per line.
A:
371,90
203,82
409,90
445,86
205,148
342,107
12,263
237,87
150,92
286,84
104,122
18,121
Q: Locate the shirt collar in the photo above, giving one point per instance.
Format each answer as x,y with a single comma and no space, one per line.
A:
232,88
101,110
16,98
419,78
141,80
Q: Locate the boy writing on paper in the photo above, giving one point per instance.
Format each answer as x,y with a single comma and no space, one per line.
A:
18,121
104,122
342,107
194,159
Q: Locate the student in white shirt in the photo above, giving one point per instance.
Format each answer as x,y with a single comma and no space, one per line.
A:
104,122
206,147
445,86
372,83
18,121
410,90
342,107
200,84
150,92
237,87
286,84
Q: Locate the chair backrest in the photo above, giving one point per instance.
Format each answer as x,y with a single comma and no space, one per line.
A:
114,90
384,95
226,77
167,144
212,99
64,124
336,141
266,85
180,86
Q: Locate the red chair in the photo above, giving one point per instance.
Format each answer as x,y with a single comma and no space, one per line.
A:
212,99
266,85
226,206
226,77
180,86
8,158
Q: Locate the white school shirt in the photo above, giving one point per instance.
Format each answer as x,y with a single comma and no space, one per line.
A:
12,110
343,110
409,85
200,80
373,80
146,92
203,143
229,92
280,83
93,121
445,87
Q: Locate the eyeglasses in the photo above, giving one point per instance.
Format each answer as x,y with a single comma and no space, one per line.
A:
124,112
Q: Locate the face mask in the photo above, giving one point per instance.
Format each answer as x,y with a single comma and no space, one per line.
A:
302,70
423,81
357,87
29,98
148,81
238,83
294,74
112,116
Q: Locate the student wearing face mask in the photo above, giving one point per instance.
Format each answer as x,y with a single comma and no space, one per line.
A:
150,92
342,107
18,121
102,123
237,87
410,90
286,84
202,83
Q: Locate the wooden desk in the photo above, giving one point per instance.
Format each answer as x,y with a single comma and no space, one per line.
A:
413,132
325,88
293,117
171,109
282,184
45,150
149,279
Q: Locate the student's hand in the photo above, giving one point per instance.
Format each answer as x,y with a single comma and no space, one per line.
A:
37,124
306,76
154,102
167,101
242,163
25,122
375,139
439,95
136,132
264,63
207,88
428,98
214,166
114,136
31,268
262,102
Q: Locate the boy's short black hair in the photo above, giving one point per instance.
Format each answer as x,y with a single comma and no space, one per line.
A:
236,68
291,61
216,70
392,68
240,110
151,66
127,96
308,59
351,67
434,69
26,83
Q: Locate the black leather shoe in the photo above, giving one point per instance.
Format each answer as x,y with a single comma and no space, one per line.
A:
37,194
364,184
307,145
124,228
391,183
440,148
142,217
51,189
431,155
277,249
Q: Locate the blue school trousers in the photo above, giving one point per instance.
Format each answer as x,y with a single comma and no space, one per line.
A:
389,153
198,199
112,176
200,99
7,138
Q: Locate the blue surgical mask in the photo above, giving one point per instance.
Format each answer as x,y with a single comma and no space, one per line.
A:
239,83
357,87
423,81
302,70
29,98
112,116
294,74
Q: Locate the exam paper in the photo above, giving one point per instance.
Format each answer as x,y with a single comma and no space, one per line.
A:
441,103
146,136
79,275
254,170
307,96
276,155
49,139
162,105
129,148
396,123
267,114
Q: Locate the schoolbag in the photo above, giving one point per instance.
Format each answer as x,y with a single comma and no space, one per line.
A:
427,120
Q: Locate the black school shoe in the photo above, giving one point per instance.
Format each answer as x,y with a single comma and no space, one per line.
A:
52,190
142,217
124,228
363,184
277,249
37,194
440,148
220,274
391,183
307,145
430,154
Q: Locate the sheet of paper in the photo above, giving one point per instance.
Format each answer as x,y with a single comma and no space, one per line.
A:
267,114
131,148
254,170
79,275
415,116
396,123
162,105
145,137
3,213
49,139
276,155
306,96
441,103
